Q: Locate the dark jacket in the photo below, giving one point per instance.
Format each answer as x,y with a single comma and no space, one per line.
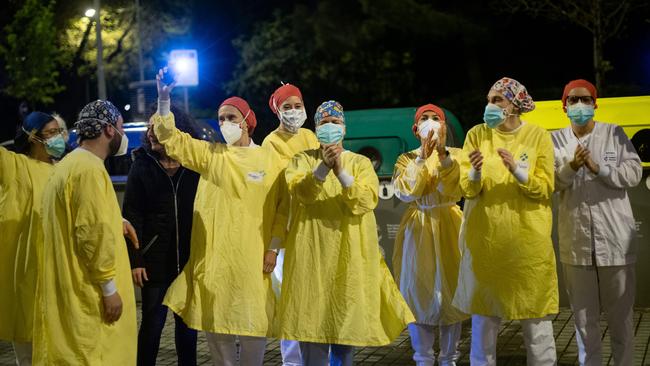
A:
159,207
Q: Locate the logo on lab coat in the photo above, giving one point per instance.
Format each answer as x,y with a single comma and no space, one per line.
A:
609,157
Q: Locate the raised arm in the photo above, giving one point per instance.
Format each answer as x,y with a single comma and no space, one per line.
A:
410,178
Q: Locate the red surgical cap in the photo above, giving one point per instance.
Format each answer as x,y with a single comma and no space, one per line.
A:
427,108
244,109
281,94
580,83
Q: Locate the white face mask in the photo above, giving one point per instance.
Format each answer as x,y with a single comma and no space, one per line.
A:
231,132
124,143
293,119
425,128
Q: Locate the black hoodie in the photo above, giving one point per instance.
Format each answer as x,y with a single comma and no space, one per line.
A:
156,205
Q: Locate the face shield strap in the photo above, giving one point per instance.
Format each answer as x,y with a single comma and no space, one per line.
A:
32,134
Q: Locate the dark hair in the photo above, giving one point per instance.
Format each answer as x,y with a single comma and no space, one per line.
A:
21,141
183,121
81,137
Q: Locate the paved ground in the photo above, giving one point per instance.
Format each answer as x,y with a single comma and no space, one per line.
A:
510,346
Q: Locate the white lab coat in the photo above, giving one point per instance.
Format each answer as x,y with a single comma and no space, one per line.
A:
596,232
594,212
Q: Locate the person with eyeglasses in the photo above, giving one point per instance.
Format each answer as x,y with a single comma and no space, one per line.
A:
595,165
507,268
23,176
426,255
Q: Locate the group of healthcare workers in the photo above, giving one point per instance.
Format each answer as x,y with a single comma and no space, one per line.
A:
284,240
498,262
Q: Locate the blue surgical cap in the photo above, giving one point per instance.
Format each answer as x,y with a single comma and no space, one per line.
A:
35,121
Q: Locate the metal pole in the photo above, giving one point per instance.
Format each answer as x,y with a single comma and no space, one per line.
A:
141,97
101,82
187,107
137,16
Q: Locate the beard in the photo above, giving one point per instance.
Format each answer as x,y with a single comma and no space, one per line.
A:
114,145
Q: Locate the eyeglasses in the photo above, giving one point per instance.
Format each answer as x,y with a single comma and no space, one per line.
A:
52,132
585,99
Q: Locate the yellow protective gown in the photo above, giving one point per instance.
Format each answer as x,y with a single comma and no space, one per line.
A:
222,288
83,247
337,288
426,255
22,180
508,264
286,145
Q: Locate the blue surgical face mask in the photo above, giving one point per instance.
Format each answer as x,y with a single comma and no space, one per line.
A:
580,113
55,146
329,133
494,115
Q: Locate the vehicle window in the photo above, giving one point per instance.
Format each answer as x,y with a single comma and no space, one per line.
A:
641,142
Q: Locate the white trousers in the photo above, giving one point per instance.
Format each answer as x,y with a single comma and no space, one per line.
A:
323,354
610,289
23,353
290,353
223,348
422,339
290,349
538,339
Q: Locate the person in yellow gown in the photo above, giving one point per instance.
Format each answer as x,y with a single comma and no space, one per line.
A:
85,307
222,289
337,291
426,255
507,268
286,141
23,174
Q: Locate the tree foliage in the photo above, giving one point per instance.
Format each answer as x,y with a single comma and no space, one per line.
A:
603,19
30,53
159,22
49,45
361,52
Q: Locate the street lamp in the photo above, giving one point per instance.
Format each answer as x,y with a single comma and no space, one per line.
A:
95,13
185,64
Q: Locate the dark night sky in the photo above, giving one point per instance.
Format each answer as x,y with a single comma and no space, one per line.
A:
542,54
